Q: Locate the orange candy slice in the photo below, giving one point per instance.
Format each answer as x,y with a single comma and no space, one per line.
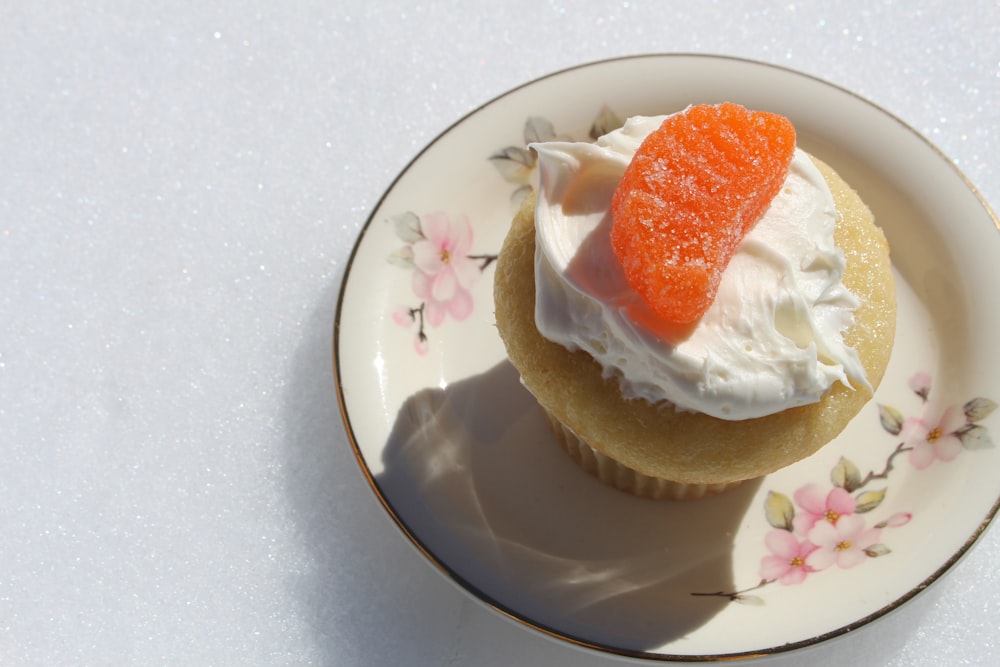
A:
693,190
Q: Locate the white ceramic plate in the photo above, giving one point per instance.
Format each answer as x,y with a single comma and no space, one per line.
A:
458,452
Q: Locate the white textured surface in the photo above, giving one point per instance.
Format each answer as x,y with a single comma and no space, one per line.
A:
180,186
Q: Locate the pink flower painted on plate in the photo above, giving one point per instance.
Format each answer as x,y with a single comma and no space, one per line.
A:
820,527
403,316
934,439
920,383
817,505
787,561
843,544
444,271
896,520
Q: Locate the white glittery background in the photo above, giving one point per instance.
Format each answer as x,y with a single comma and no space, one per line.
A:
180,187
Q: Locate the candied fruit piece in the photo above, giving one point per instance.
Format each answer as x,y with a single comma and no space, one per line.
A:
694,188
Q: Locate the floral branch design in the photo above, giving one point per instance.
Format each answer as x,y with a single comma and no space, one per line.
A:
443,272
436,248
822,527
516,163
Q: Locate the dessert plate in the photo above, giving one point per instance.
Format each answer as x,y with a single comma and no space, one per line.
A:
460,456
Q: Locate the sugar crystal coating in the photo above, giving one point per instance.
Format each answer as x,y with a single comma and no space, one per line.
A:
692,191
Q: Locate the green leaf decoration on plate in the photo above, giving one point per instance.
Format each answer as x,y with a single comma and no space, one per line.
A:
819,528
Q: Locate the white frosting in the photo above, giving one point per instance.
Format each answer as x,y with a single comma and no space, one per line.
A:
772,338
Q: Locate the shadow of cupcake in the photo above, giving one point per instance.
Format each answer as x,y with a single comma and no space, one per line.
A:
473,474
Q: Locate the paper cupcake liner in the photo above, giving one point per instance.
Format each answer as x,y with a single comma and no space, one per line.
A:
626,479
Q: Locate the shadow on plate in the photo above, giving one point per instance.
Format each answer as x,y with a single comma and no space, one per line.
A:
475,476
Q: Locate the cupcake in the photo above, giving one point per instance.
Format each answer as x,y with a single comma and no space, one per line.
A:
694,300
